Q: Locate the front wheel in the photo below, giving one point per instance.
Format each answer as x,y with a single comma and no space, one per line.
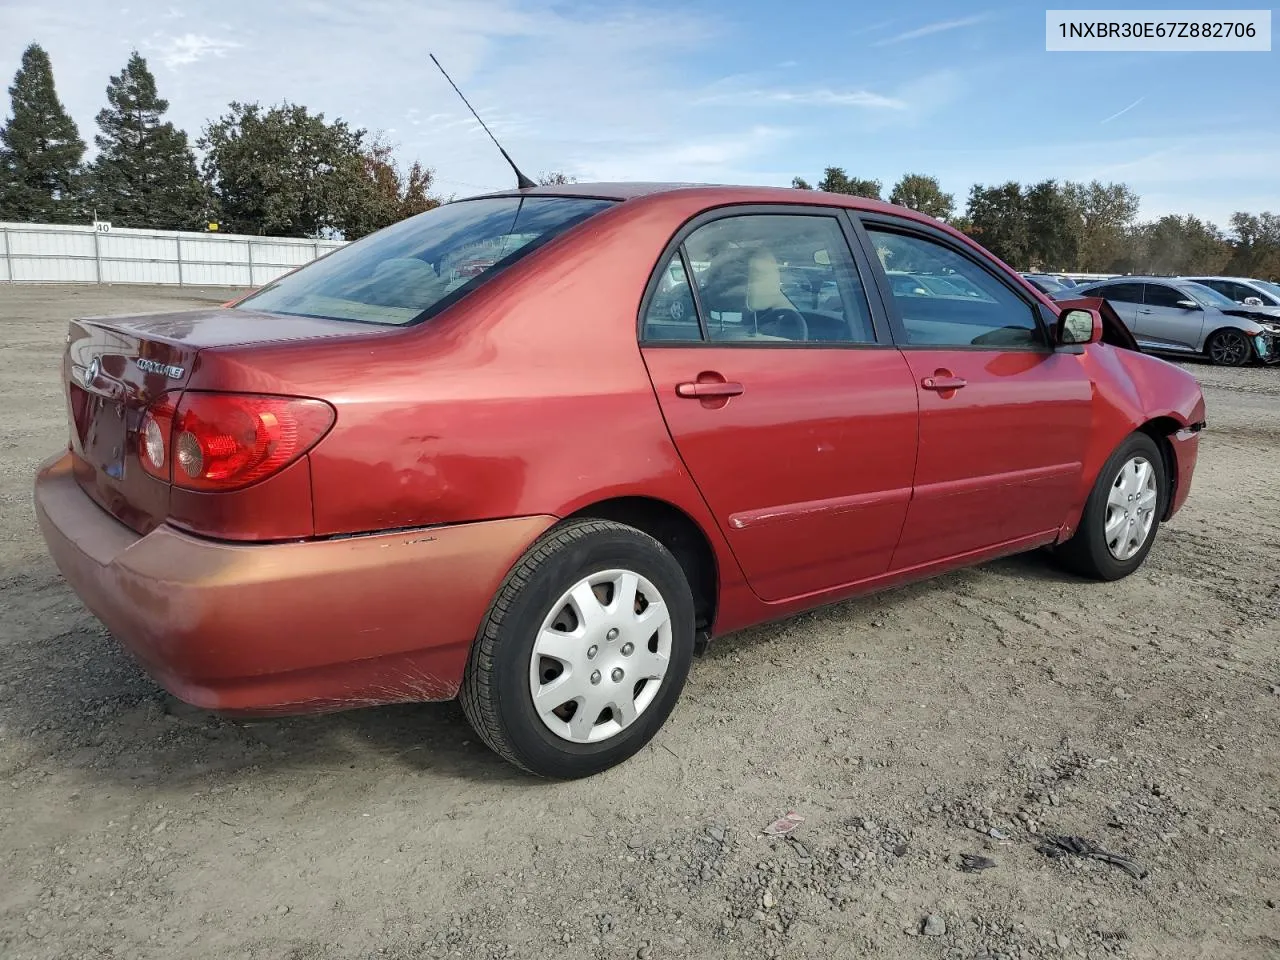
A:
1122,514
1229,348
584,652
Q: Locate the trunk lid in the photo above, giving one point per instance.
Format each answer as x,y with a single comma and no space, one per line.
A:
114,368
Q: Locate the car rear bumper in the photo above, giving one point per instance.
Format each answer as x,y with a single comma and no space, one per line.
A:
295,627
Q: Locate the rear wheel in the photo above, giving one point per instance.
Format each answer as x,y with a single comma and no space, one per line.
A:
1122,514
1229,348
584,652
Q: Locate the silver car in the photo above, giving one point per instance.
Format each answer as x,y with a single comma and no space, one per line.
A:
1177,316
1243,290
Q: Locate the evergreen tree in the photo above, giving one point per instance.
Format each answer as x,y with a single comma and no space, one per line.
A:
284,171
40,149
145,173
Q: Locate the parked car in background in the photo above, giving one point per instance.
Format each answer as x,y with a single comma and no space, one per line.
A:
1257,293
1175,316
1048,283
408,471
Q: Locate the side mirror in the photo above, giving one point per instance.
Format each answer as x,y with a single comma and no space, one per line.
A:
1076,328
1188,305
1252,301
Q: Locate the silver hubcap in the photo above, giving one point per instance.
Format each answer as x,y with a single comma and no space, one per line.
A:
1131,508
600,656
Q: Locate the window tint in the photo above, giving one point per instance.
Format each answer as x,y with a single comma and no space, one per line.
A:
1162,295
1238,292
1224,287
671,314
1271,288
1120,292
778,277
945,299
400,274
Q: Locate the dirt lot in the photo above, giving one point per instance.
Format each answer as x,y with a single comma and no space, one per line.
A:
1143,715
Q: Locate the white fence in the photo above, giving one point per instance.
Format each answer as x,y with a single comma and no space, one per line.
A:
49,253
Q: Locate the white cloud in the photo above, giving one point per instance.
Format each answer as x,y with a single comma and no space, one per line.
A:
189,48
928,29
693,160
822,96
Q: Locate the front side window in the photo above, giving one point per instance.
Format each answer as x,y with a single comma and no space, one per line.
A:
421,265
1238,292
1225,287
780,278
1161,295
1205,296
1271,288
945,299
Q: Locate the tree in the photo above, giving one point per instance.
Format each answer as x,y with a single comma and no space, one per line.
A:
800,183
555,178
1107,213
286,172
1182,245
145,173
835,180
1256,247
918,192
40,148
998,220
387,195
1053,227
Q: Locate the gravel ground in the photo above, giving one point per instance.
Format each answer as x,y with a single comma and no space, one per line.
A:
973,714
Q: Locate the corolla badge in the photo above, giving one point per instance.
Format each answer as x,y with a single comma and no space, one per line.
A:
155,366
92,370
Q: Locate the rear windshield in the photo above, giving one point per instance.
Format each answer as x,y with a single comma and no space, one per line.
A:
419,266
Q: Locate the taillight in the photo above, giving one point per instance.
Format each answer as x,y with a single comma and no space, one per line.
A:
153,438
223,441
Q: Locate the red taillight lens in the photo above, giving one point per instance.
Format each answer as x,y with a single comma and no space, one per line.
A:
153,438
222,441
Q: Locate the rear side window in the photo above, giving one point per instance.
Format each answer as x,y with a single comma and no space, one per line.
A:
945,299
763,279
1120,292
419,266
781,277
671,313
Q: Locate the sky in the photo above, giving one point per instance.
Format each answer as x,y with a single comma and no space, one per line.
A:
721,91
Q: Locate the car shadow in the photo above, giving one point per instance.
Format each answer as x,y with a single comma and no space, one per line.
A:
87,706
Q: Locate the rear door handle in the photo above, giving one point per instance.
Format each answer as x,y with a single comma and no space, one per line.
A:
943,383
697,391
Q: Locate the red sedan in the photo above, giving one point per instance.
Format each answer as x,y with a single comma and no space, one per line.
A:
532,449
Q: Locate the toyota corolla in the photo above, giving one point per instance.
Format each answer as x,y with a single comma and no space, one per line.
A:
534,449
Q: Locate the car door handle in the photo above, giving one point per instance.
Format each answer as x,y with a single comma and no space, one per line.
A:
700,390
943,383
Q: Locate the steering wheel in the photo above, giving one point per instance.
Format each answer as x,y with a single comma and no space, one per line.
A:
783,322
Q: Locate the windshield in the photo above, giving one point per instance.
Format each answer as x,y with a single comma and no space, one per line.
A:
1207,296
419,266
1271,288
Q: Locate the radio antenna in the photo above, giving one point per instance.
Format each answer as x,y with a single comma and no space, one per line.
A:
522,181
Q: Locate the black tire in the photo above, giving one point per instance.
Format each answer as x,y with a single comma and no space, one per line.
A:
1087,553
1229,348
495,692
